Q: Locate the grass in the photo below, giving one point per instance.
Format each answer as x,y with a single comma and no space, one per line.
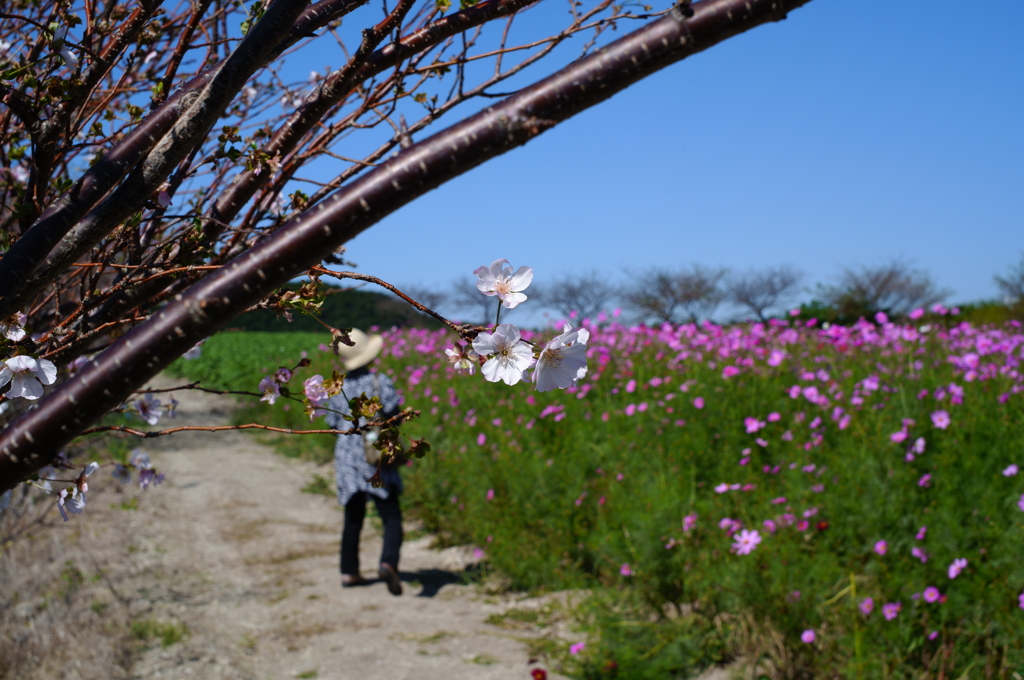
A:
683,447
166,632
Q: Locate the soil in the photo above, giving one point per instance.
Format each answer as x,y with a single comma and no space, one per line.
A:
232,567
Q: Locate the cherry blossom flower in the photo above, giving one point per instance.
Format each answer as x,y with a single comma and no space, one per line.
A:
563,361
807,636
746,541
867,605
891,610
508,357
149,409
195,352
282,375
27,376
940,419
139,459
499,280
463,358
12,327
147,477
121,474
269,388
958,565
314,390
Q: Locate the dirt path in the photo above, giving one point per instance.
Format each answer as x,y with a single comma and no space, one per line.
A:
230,547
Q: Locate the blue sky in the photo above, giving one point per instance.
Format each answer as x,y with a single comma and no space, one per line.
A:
850,134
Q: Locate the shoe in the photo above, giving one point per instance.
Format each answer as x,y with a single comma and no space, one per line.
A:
390,576
352,580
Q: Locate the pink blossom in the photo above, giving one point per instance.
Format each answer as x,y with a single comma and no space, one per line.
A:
1010,471
916,314
898,437
881,547
746,541
481,439
931,594
698,402
631,386
722,488
958,565
478,554
769,524
891,610
807,636
625,571
774,417
919,553
803,525
940,419
689,522
867,605
921,533
925,481
490,494
578,647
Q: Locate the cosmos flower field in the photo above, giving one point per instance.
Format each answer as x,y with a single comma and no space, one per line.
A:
840,502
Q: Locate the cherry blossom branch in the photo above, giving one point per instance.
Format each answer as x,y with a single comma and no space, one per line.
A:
30,441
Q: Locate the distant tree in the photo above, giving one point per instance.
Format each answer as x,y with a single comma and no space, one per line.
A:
688,294
764,289
893,288
1012,285
426,296
466,298
586,294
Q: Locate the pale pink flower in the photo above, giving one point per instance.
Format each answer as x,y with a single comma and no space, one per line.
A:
463,358
925,481
563,361
1011,470
958,565
27,376
507,356
891,610
314,390
746,541
282,375
269,387
149,409
752,425
12,327
940,419
499,280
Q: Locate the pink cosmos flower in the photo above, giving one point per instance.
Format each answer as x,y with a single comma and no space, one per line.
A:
478,554
774,417
722,488
490,494
769,524
631,386
921,533
931,594
919,553
1020,600
916,314
689,522
932,635
898,437
499,280
881,547
940,419
958,565
752,425
867,605
625,571
746,541
698,402
807,636
803,525
1020,503
891,610
1011,470
577,648
481,439
775,357
925,481
918,447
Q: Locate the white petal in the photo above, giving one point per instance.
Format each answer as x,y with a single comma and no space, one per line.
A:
46,372
510,300
5,375
25,386
522,278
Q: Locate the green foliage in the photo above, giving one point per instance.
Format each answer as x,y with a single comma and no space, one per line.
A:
167,632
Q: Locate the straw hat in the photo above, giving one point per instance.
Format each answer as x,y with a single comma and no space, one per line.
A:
365,350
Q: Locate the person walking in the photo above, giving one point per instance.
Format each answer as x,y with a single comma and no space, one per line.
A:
353,472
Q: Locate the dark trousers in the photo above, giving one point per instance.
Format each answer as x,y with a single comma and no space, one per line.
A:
355,511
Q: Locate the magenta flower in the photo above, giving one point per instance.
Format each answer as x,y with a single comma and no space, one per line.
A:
478,554
490,494
867,605
891,610
925,481
698,402
921,533
631,386
752,425
689,522
481,439
959,564
881,547
932,635
931,594
1020,600
1020,503
746,541
625,571
1010,471
807,636
769,524
722,488
940,419
919,553
577,648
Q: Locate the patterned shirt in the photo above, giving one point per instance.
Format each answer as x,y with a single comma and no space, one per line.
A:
351,470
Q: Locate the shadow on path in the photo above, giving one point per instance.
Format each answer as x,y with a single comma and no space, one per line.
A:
432,580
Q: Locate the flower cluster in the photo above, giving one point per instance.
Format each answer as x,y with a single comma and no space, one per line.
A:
505,355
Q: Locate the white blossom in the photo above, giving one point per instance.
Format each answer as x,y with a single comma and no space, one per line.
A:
149,409
499,280
507,356
27,376
463,358
563,361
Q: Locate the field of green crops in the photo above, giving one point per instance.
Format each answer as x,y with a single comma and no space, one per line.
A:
839,502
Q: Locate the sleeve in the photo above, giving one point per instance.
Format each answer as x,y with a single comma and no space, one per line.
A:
390,399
